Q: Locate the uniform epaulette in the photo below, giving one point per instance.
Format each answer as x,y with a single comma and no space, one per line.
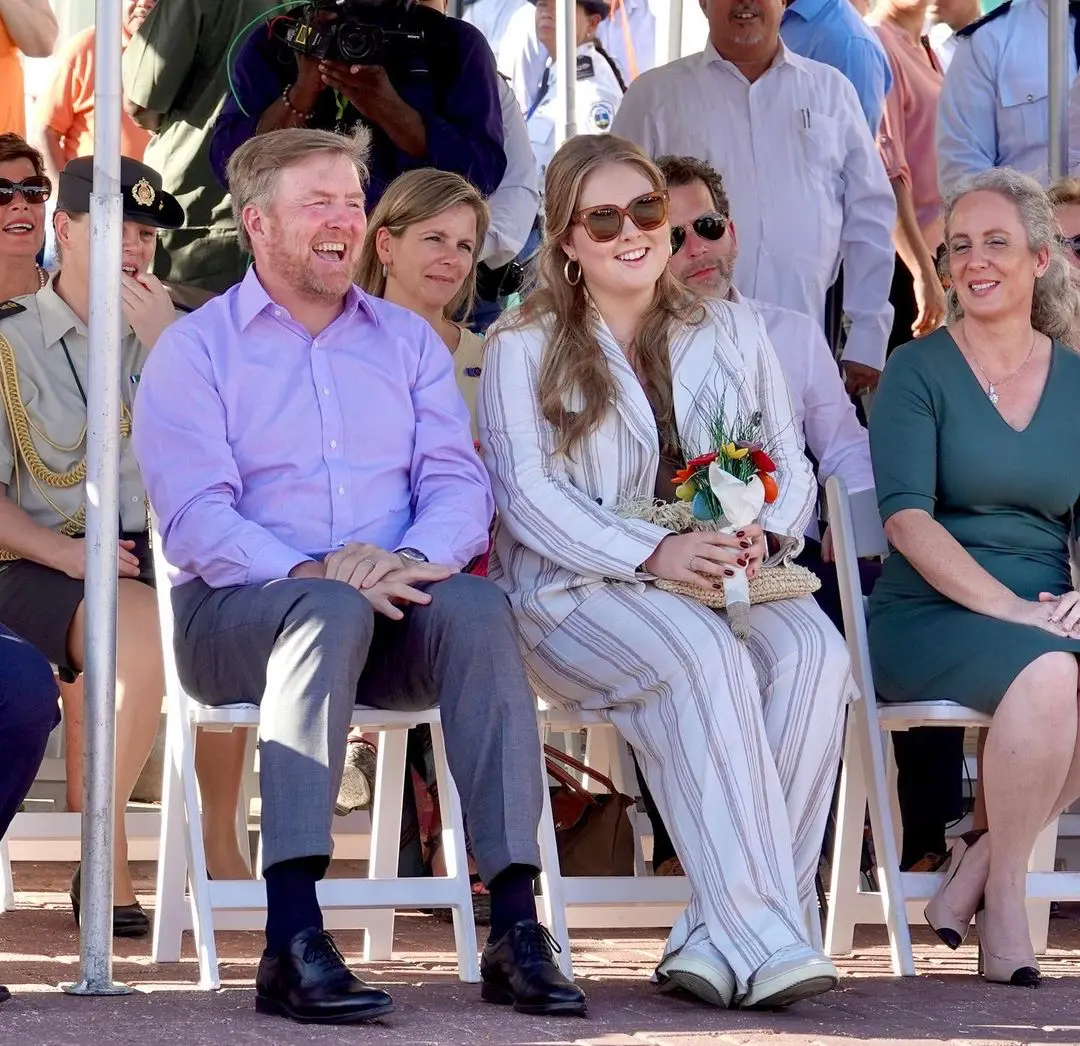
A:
10,308
978,23
585,70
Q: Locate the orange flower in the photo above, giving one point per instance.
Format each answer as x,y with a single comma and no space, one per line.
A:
772,490
682,476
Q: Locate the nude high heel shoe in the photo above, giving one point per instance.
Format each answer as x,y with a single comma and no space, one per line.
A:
950,926
1020,972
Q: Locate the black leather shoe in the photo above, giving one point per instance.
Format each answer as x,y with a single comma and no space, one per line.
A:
310,983
520,968
4,994
128,920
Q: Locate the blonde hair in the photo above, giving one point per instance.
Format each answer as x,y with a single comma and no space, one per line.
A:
1055,300
1064,193
253,170
573,358
417,196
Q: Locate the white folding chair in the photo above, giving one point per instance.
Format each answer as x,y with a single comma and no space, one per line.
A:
637,901
186,899
857,531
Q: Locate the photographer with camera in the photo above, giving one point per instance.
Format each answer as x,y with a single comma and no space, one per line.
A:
425,86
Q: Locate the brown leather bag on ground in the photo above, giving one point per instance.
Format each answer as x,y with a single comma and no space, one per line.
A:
592,831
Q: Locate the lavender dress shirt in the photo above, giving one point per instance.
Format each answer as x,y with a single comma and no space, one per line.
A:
262,447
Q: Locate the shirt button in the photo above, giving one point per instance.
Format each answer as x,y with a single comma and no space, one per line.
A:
341,490
333,444
1031,98
277,312
134,501
326,392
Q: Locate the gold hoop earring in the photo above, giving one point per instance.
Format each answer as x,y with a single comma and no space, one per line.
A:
566,271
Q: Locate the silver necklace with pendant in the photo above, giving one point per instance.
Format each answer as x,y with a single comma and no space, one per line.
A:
993,386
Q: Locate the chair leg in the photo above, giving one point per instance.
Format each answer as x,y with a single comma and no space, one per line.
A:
847,846
552,893
890,884
7,884
385,838
171,900
249,785
1043,856
457,861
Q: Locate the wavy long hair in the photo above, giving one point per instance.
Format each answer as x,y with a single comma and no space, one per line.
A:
1055,300
573,358
417,196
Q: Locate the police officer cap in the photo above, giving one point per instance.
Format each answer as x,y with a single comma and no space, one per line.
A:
594,7
143,198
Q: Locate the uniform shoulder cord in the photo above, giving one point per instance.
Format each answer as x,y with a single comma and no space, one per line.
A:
22,441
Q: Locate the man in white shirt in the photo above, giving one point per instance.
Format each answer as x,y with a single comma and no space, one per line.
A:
705,248
800,166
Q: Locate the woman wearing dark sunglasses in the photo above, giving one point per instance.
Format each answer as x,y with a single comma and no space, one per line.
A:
592,396
24,190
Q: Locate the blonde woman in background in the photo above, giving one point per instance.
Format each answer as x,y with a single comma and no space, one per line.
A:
420,252
1065,199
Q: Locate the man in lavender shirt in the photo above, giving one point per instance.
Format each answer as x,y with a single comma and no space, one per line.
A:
309,457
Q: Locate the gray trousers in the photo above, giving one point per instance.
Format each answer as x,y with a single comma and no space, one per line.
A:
308,650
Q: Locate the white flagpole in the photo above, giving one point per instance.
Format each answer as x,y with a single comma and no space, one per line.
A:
566,64
1059,42
102,515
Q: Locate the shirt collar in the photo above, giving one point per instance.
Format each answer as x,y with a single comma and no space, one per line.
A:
252,299
735,296
807,10
57,318
712,56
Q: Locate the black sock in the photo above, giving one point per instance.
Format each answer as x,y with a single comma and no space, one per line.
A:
291,902
512,898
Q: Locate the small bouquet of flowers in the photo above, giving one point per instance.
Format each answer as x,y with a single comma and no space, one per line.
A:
725,490
729,486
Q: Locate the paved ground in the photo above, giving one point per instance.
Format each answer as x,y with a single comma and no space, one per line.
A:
945,1004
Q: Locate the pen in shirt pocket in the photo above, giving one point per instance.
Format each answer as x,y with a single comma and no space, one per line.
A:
805,114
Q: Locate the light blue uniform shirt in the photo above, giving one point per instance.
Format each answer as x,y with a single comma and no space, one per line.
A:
994,108
832,32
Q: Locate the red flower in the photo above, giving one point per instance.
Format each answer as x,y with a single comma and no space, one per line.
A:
701,461
761,461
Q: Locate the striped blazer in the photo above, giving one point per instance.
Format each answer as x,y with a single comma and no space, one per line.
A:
558,537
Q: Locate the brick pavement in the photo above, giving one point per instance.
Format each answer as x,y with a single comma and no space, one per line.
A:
945,1004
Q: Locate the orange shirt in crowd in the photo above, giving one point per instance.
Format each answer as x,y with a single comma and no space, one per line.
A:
68,105
12,98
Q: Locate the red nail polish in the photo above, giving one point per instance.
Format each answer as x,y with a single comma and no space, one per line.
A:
740,533
744,544
728,572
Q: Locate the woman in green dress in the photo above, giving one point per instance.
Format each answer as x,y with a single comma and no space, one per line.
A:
974,434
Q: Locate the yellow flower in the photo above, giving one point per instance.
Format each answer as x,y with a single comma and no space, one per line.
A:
729,450
685,492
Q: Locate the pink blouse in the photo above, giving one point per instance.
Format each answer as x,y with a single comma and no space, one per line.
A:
906,139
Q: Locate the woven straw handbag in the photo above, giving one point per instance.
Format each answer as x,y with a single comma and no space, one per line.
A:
788,581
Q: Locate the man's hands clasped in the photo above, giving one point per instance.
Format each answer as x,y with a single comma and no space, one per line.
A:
385,579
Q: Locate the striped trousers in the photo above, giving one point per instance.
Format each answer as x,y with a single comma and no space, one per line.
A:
739,743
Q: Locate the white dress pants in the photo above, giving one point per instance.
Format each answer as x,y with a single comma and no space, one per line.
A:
739,742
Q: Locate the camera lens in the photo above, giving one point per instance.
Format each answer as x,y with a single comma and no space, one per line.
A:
357,43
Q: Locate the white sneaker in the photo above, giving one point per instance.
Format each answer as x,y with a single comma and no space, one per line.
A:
793,973
700,969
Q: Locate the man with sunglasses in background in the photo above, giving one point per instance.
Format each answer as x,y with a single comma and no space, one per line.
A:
705,247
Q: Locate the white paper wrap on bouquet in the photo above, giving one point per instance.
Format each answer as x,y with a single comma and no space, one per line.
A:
741,502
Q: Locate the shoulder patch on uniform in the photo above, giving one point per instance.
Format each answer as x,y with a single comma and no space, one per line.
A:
585,70
10,308
601,115
980,22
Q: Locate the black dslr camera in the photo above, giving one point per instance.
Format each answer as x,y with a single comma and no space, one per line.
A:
357,32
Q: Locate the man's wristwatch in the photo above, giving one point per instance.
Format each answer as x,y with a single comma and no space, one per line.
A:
411,555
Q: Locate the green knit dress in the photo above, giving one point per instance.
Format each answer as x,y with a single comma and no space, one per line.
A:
1009,497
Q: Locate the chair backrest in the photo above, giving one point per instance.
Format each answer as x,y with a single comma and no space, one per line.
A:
856,531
